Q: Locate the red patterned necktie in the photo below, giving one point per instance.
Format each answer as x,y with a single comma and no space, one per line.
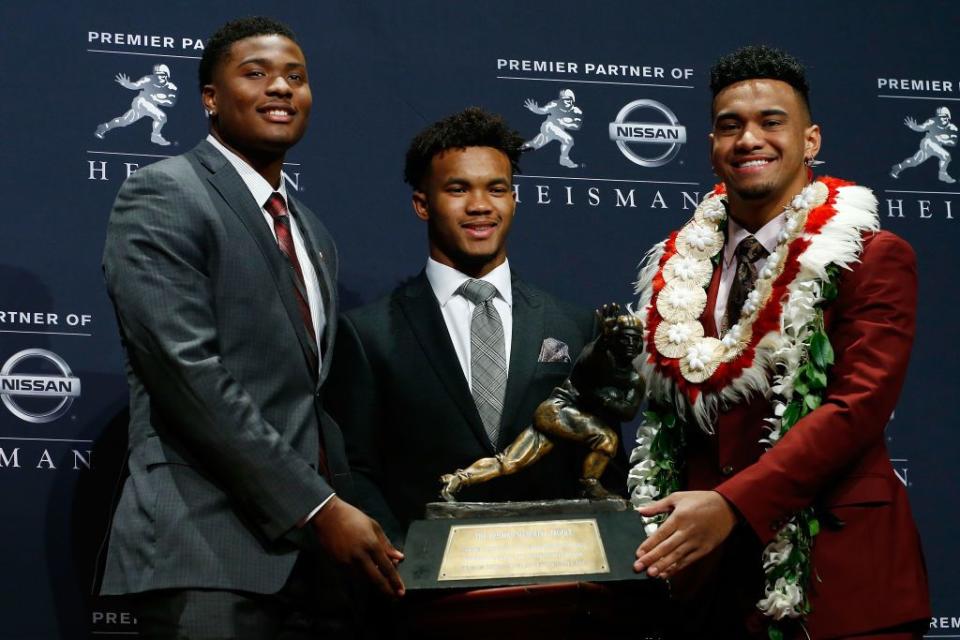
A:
276,207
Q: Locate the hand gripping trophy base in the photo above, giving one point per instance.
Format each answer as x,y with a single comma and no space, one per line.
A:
603,389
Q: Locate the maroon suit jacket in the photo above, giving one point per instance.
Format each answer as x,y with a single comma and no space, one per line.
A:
871,570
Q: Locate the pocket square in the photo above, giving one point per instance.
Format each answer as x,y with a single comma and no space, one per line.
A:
553,350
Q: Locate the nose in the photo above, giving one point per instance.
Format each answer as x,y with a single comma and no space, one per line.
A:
479,202
279,86
750,138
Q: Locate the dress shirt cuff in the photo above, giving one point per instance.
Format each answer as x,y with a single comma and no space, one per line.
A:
310,515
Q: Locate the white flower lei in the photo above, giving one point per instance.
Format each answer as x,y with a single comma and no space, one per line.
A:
800,339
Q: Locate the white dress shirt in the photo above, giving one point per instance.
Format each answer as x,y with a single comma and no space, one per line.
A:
766,236
458,311
261,191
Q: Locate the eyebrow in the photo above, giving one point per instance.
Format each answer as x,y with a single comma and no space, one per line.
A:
766,112
266,62
459,180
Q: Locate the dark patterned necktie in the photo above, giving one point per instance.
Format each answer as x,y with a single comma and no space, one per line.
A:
277,209
748,252
488,360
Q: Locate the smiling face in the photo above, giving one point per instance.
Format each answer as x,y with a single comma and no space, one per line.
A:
761,135
259,97
467,200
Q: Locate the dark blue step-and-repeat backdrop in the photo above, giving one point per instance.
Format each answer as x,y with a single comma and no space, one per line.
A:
380,72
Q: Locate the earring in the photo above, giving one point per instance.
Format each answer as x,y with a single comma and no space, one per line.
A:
808,161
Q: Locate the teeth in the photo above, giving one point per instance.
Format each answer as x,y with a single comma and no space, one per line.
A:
277,112
754,163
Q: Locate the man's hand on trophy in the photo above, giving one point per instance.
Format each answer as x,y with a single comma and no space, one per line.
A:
354,540
452,483
699,521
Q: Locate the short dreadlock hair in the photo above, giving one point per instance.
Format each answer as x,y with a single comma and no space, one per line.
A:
760,61
472,127
218,46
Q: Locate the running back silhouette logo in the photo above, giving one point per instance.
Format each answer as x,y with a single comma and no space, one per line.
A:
938,133
563,116
154,91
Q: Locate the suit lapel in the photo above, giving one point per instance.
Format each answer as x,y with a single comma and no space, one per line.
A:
317,258
422,312
327,286
528,330
228,183
707,318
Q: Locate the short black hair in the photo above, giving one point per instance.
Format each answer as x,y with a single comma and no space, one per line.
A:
759,61
472,127
218,46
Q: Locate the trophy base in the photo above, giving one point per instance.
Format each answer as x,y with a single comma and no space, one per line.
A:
481,544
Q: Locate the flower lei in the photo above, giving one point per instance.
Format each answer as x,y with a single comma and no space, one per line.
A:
778,345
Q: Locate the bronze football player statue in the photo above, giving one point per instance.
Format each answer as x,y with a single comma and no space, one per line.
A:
602,391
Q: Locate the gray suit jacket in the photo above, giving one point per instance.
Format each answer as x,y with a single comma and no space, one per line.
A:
225,412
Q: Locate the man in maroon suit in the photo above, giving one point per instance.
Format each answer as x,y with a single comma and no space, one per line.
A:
778,326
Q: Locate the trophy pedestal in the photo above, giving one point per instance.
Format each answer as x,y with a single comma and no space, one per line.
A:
633,610
475,544
551,569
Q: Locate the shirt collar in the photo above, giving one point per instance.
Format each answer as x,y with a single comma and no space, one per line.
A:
767,236
446,280
258,186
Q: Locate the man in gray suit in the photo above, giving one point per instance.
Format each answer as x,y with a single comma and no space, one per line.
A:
224,288
418,390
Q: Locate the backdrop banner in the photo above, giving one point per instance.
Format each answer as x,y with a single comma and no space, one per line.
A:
79,121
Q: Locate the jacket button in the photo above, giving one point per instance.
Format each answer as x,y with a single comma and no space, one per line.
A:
727,470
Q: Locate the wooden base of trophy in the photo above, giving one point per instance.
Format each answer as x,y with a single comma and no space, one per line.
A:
480,544
556,569
559,611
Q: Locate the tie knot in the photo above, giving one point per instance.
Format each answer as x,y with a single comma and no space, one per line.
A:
275,205
750,250
477,291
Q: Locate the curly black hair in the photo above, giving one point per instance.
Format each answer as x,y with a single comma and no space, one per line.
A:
759,61
472,127
218,46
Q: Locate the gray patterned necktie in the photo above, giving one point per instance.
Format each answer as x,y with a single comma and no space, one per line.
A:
748,252
488,360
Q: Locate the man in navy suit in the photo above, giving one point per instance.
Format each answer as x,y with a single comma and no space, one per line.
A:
406,387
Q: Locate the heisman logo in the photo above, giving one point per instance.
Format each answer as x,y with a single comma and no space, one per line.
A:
38,390
562,115
647,135
155,91
938,132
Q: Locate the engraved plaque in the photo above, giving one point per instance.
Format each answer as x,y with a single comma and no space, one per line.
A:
474,545
523,549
